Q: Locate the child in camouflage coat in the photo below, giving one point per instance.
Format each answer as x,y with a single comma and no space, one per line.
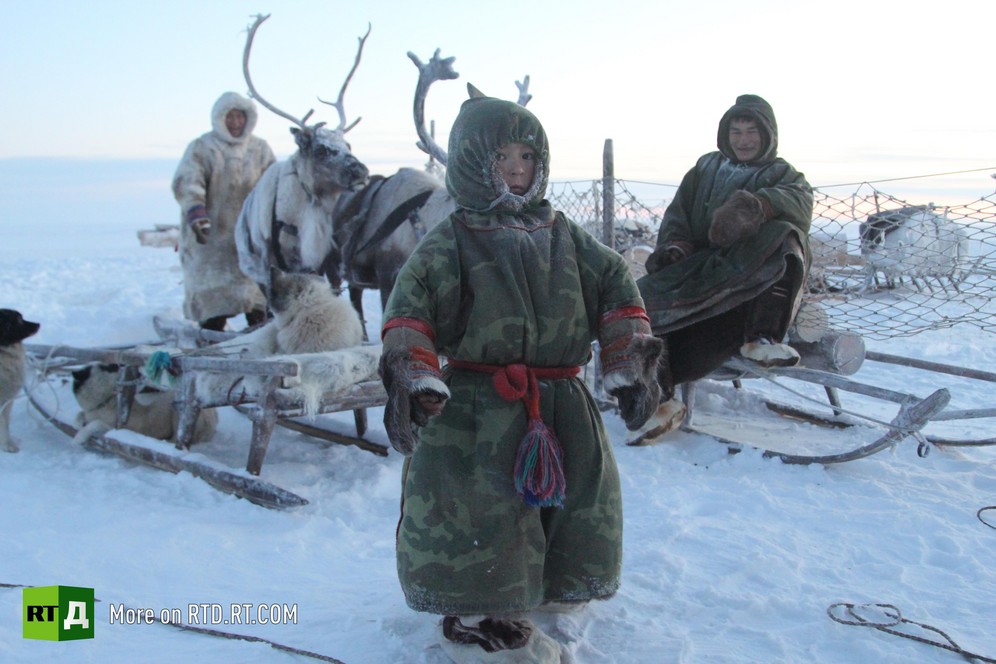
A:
511,496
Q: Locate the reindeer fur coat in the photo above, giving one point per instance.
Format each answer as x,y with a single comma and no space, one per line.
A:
218,171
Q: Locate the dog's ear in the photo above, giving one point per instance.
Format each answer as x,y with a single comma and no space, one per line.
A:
8,325
81,376
110,368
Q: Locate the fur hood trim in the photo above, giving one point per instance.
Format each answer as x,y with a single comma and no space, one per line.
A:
233,101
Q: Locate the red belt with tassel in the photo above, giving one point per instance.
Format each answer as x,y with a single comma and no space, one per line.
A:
539,461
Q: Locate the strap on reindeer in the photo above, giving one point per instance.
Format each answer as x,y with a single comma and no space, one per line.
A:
398,216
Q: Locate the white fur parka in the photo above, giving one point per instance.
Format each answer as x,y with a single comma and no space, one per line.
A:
218,171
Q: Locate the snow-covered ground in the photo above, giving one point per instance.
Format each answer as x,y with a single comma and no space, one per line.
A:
728,558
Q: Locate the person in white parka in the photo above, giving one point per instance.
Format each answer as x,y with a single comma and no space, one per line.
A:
216,173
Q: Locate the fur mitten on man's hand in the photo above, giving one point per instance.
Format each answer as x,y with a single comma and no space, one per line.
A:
415,393
199,223
739,217
631,377
661,258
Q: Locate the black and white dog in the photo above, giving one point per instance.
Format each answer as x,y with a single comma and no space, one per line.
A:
13,331
152,413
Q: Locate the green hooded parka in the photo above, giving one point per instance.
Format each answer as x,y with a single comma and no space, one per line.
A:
507,280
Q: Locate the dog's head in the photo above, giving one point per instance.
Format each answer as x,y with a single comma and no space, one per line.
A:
13,328
287,288
94,383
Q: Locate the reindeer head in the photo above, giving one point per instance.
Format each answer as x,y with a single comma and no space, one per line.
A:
325,162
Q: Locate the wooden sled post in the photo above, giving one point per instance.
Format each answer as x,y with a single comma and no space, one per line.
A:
264,418
125,393
189,410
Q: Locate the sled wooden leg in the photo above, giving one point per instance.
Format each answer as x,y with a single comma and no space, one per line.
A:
125,393
360,417
834,398
264,418
188,410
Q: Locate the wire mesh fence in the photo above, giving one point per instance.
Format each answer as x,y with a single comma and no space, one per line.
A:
881,268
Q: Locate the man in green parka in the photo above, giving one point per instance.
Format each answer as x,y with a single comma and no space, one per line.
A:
511,497
731,259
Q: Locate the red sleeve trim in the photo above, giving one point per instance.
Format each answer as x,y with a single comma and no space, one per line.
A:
622,313
412,323
425,356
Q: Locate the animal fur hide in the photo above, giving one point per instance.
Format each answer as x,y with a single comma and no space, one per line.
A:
311,327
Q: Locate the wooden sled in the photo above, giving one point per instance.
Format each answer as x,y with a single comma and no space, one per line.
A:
185,334
269,407
914,413
151,452
828,358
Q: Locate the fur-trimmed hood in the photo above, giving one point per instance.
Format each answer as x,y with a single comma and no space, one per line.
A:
755,107
483,125
227,102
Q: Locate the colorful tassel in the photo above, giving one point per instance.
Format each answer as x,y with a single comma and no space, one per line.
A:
539,467
159,362
538,473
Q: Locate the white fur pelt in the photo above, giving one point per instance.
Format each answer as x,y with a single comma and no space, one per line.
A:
11,380
152,413
311,327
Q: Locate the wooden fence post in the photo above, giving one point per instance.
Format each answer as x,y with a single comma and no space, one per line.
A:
608,196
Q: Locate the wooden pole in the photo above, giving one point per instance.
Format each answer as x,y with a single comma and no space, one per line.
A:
608,196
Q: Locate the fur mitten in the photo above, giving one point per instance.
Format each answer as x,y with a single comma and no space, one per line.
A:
199,222
665,255
411,382
739,217
630,367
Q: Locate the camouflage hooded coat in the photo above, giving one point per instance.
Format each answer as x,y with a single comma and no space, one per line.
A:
507,280
711,279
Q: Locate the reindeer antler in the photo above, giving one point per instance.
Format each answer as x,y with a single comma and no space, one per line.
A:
252,88
436,70
524,95
342,91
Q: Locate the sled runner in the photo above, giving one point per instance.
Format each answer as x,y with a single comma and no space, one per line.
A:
914,413
268,390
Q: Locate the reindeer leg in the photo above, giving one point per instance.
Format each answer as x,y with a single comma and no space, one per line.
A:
356,298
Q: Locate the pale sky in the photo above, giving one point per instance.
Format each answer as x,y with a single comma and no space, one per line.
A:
862,90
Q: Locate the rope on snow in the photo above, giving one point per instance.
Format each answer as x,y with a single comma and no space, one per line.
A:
892,617
990,508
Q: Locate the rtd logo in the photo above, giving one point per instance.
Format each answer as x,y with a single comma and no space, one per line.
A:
57,613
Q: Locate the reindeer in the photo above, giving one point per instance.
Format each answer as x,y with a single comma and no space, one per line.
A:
285,220
378,227
913,242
